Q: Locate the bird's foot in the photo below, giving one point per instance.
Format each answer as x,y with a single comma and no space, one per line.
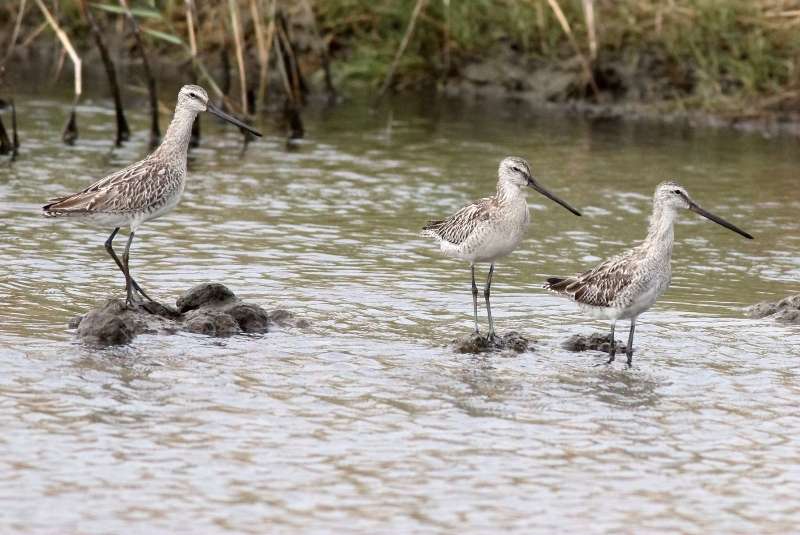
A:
158,309
140,301
606,363
630,360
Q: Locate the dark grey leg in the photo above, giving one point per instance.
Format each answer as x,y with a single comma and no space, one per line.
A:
110,249
629,349
475,299
613,350
129,290
486,292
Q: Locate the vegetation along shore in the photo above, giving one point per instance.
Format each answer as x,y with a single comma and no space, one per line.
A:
725,62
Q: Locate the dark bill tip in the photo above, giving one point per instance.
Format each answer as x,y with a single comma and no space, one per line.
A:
552,197
231,119
718,220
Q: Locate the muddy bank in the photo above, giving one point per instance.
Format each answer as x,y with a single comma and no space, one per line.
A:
787,310
210,309
645,88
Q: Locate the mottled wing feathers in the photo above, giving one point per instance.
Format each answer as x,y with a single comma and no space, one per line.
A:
128,190
600,286
457,228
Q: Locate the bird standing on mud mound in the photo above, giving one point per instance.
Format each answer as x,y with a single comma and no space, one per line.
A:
144,190
491,228
628,284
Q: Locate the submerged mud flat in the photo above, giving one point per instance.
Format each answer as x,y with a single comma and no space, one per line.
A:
366,421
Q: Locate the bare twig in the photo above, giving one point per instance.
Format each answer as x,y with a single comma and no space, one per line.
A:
403,44
155,131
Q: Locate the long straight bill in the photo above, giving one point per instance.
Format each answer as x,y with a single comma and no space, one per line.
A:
233,120
718,220
552,197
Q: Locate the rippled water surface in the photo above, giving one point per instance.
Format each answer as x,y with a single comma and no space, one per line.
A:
366,422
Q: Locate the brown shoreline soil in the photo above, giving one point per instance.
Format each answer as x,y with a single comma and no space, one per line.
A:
640,90
637,90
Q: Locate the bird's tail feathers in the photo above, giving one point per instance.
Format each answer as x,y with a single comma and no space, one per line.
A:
558,284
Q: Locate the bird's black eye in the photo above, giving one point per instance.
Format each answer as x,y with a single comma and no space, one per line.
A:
193,95
516,169
676,191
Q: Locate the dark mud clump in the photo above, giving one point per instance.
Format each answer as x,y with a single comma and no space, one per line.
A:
787,310
211,309
480,343
592,342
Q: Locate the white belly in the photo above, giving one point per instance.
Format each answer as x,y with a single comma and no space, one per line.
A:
168,206
638,304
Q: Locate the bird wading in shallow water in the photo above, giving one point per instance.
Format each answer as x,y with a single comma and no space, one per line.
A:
144,190
628,284
491,228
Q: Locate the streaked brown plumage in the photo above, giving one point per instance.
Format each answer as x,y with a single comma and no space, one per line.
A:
628,284
144,190
492,227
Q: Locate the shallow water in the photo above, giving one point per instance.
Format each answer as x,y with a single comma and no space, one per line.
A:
366,422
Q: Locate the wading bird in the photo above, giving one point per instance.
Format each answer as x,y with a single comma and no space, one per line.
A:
628,284
492,227
144,190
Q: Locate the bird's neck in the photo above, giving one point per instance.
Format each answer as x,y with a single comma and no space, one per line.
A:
175,144
661,233
508,193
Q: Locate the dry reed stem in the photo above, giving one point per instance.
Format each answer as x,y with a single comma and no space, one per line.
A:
297,83
155,132
15,136
587,68
446,37
67,44
263,52
321,50
15,32
34,34
5,143
287,86
190,27
403,44
237,37
123,132
591,31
